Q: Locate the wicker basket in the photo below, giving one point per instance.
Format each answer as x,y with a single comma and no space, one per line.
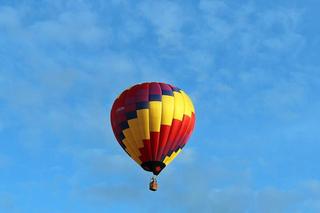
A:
153,186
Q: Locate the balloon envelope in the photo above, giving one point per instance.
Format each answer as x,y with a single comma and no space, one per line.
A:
152,122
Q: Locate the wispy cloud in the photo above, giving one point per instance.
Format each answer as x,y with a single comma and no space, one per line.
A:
167,18
198,186
7,203
62,66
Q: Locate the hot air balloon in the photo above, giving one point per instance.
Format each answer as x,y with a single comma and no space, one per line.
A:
152,123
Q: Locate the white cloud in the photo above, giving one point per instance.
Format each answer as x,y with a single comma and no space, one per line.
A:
71,28
9,18
218,187
167,18
69,66
191,185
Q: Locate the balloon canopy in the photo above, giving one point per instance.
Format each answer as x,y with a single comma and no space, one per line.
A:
152,122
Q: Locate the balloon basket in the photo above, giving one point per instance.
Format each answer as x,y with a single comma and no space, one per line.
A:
153,186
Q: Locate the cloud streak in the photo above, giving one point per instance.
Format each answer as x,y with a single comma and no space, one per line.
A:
257,109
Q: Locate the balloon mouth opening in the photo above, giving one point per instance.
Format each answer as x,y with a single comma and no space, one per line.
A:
153,166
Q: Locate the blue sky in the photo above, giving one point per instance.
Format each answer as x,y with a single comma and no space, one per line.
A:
252,69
